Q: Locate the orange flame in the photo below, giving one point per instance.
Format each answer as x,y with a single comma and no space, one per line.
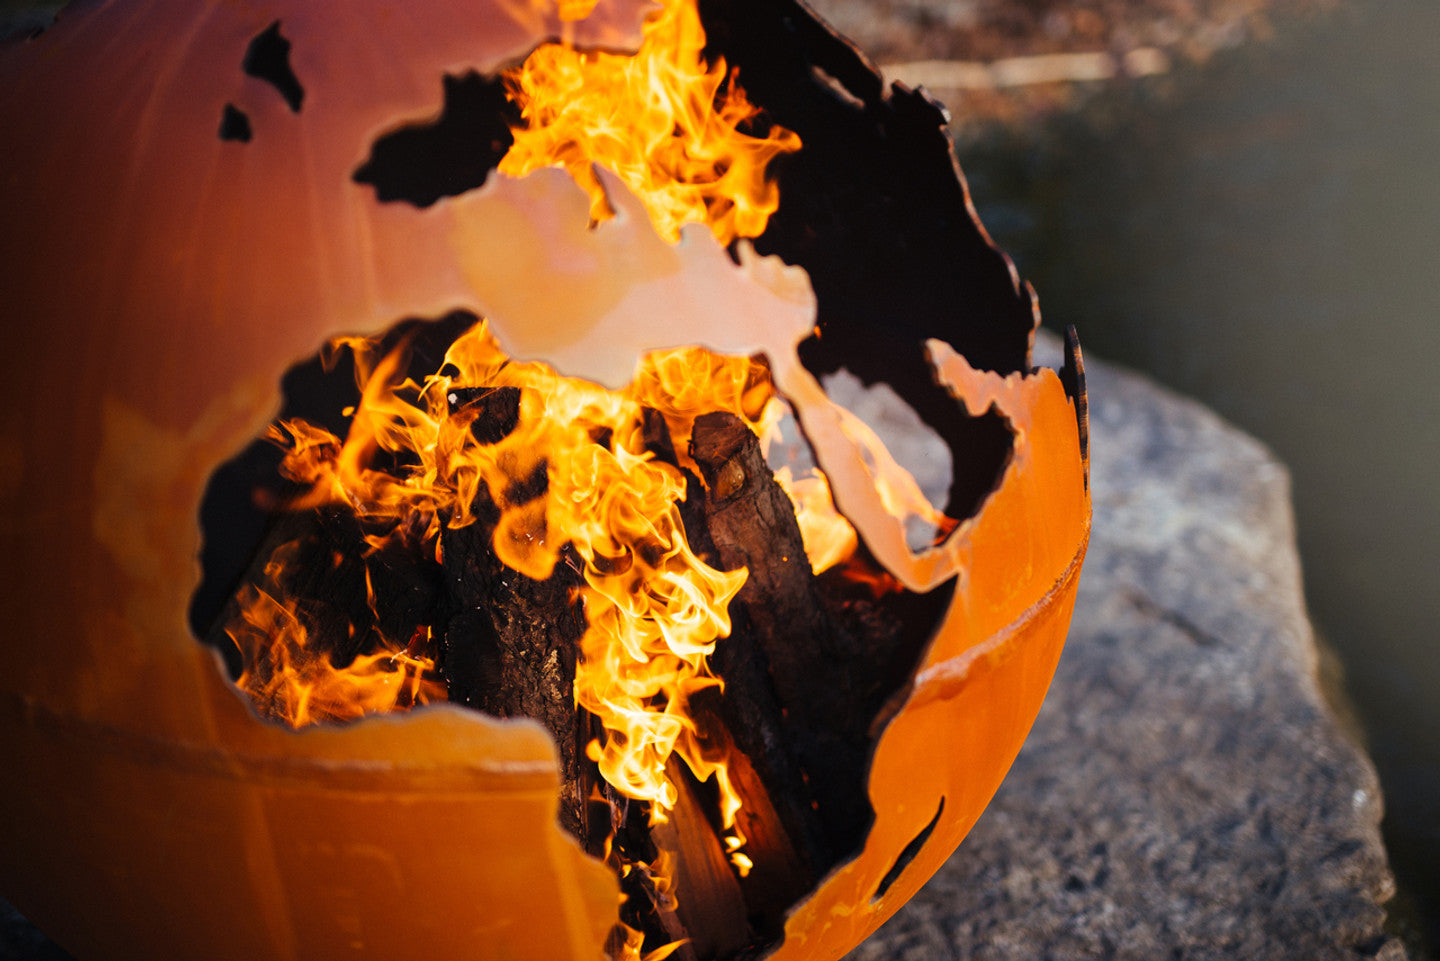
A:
671,126
287,679
654,610
828,537
613,465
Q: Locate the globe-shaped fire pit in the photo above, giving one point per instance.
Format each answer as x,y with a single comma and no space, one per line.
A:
444,509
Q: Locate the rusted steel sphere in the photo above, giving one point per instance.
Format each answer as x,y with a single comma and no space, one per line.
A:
179,229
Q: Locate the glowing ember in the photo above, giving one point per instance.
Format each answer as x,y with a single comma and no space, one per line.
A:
677,130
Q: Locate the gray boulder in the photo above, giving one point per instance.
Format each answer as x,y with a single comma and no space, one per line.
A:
1186,792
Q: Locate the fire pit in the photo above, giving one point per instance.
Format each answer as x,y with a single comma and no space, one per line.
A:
466,380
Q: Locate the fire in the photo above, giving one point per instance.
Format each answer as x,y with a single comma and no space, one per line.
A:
286,678
654,610
591,475
679,132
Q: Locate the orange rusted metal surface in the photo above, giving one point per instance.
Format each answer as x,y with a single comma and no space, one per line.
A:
158,281
985,674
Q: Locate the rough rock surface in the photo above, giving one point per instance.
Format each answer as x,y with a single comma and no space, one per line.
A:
1185,792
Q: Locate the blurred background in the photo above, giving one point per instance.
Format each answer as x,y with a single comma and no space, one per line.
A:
1241,197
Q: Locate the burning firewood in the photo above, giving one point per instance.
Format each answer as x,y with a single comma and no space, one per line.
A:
509,647
460,542
751,522
784,724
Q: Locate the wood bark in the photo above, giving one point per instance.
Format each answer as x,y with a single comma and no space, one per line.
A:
782,612
509,645
509,642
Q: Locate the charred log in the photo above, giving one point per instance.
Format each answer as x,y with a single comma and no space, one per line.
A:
509,642
782,869
748,717
780,610
509,646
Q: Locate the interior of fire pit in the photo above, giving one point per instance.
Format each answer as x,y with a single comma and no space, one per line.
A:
811,669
